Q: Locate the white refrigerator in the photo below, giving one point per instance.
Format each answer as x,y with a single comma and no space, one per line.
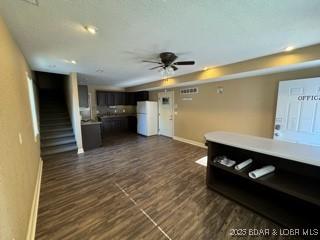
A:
147,117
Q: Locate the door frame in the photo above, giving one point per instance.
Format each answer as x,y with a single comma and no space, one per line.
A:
173,113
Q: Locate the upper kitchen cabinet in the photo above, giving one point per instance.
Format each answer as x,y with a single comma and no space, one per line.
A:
101,98
120,98
142,96
110,99
83,96
130,98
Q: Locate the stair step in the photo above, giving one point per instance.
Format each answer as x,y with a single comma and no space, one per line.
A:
56,119
45,107
56,129
55,124
53,110
48,116
58,149
53,135
49,106
57,141
52,101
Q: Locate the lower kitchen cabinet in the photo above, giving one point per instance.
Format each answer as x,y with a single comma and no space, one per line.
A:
118,124
132,124
91,135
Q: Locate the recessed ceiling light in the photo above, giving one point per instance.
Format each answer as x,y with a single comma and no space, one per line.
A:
91,29
289,48
71,61
34,2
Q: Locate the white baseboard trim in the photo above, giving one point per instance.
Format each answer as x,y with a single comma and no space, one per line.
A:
80,150
35,203
195,143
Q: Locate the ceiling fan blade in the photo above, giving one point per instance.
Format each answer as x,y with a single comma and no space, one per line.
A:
155,67
147,61
184,63
174,68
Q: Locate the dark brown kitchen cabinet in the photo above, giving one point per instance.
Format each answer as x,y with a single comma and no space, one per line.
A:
101,98
130,98
120,98
114,124
110,99
142,96
132,124
91,135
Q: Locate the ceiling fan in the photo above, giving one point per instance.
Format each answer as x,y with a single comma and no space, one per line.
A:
167,63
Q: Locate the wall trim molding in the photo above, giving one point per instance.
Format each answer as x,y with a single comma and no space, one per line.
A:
35,203
80,150
195,143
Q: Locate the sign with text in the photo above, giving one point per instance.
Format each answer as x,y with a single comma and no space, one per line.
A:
309,98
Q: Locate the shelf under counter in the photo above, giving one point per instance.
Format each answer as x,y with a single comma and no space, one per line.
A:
289,196
302,187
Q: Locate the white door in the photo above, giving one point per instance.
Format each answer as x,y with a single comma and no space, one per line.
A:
165,106
298,111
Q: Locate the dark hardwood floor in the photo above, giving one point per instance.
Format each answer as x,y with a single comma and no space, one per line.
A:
137,188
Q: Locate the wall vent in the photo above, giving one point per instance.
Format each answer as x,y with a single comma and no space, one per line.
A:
186,91
34,2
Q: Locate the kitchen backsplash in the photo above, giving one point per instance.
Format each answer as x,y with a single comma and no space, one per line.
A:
105,110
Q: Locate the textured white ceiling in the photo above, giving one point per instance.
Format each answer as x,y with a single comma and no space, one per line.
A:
211,32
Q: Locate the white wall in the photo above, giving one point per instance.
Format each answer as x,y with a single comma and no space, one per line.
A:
72,98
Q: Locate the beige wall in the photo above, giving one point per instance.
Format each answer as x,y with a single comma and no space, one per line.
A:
246,106
18,162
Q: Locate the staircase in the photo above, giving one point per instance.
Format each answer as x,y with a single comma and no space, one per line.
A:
55,125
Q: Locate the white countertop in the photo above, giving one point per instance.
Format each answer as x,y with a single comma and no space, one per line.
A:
292,151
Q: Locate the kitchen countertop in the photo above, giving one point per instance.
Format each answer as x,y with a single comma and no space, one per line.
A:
90,122
119,115
292,151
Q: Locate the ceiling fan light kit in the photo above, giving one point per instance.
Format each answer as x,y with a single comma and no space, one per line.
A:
168,71
167,63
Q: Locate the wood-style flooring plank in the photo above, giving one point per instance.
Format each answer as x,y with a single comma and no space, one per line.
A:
136,188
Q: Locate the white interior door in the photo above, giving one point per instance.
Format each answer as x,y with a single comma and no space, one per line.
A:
298,111
165,106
